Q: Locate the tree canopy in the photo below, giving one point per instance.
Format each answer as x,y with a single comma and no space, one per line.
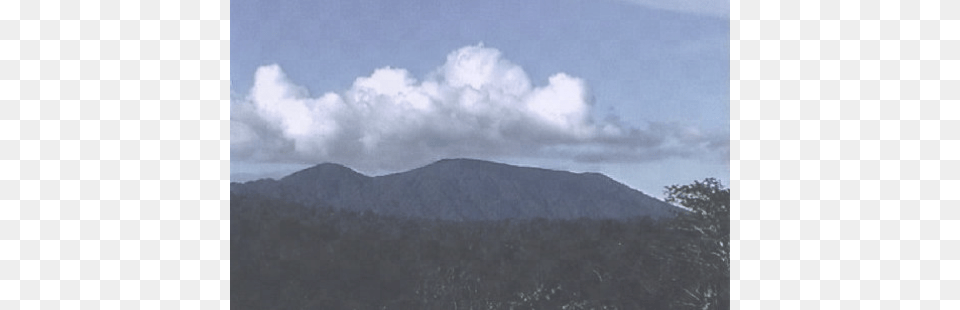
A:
292,256
707,250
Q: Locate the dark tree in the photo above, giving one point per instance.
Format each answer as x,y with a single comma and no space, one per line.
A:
704,254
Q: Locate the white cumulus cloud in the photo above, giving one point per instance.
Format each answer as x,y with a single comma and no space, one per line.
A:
477,104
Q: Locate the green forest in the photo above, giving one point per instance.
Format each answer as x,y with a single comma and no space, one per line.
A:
289,256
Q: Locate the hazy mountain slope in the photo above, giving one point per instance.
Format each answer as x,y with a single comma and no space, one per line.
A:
463,189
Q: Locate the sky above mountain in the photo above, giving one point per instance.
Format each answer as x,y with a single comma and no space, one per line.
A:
635,89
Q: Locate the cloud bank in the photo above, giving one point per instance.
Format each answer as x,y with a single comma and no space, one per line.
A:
477,104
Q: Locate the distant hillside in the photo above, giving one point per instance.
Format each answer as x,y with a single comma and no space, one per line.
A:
462,189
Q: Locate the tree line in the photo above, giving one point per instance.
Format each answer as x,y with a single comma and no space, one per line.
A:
289,256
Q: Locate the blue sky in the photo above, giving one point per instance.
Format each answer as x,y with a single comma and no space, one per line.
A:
650,82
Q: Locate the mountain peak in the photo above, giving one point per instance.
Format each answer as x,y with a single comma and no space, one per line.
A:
466,189
463,161
323,171
329,165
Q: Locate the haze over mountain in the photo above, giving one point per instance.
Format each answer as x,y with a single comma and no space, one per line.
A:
462,189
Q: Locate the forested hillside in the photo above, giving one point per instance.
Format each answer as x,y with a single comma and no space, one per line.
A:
289,256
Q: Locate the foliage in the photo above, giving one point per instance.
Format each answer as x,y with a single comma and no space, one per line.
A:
289,256
705,254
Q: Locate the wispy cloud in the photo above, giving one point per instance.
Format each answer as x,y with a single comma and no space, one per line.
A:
476,104
719,8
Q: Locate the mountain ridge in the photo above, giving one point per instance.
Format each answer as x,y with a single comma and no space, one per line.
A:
463,189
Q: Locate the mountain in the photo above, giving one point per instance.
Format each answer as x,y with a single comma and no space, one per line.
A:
462,189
